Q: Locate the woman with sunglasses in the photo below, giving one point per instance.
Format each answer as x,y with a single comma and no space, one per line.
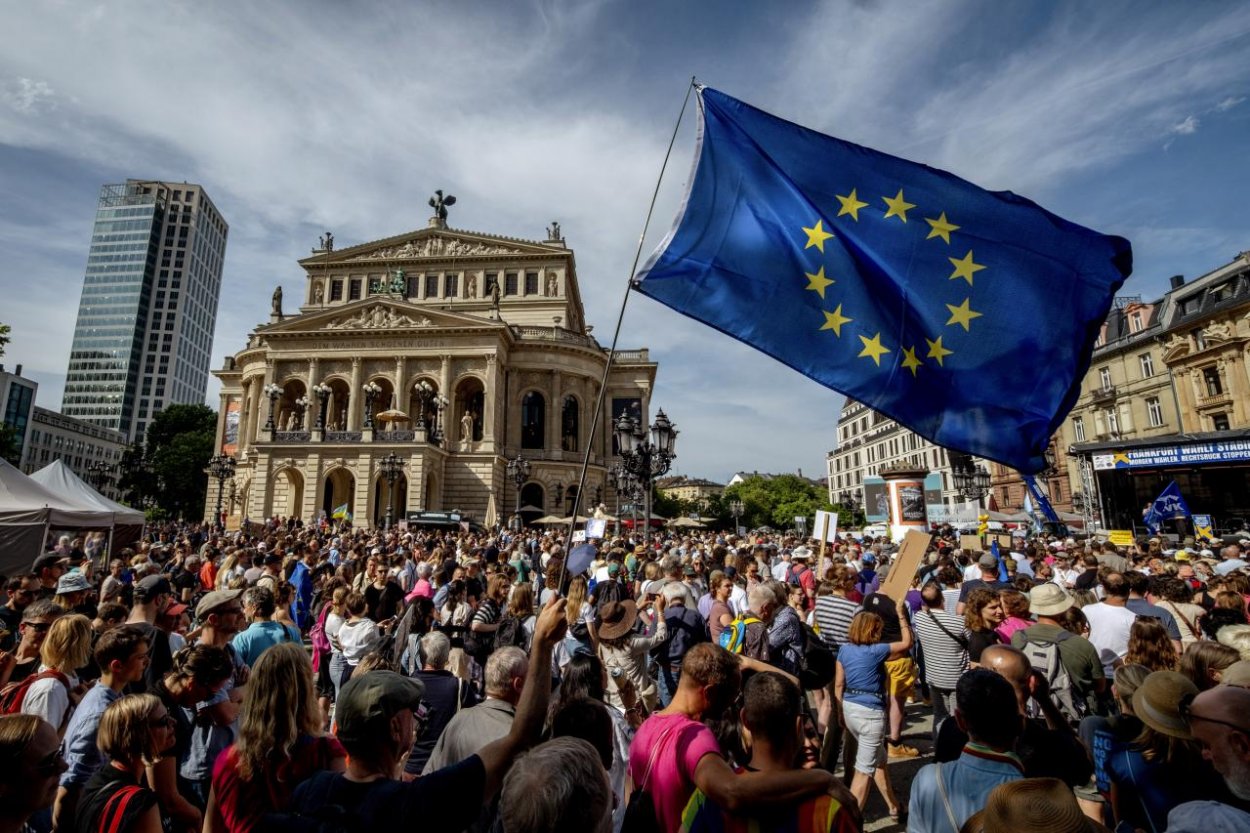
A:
280,743
30,767
136,732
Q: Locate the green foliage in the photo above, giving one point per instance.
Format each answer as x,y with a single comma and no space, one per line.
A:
170,468
777,501
5,329
9,443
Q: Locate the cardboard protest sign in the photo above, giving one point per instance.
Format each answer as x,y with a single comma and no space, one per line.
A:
970,543
903,568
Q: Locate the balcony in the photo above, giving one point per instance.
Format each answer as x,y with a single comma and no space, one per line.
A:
1102,394
1215,400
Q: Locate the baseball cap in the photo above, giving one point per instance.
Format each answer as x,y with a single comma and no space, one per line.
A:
149,587
72,583
214,600
175,609
47,561
369,700
987,561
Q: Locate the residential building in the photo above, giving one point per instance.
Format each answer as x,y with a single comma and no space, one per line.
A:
455,351
77,442
688,488
17,396
144,335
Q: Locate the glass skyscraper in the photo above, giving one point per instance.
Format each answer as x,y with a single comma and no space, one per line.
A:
144,334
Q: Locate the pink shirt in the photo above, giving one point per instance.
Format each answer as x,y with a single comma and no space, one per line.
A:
421,588
683,743
1010,625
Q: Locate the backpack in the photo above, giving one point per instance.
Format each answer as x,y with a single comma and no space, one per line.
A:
796,573
818,664
511,632
13,694
1044,656
317,633
734,636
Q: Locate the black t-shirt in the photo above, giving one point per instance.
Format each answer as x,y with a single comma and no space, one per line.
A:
978,641
183,724
9,621
160,659
887,609
444,695
383,602
449,799
107,780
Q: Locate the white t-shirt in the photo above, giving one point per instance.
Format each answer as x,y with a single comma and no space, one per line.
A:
48,698
1109,627
737,600
780,570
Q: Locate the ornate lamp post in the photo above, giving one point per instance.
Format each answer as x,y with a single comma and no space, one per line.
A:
301,408
519,471
440,404
392,467
736,507
644,456
274,393
371,391
99,473
323,392
221,467
972,482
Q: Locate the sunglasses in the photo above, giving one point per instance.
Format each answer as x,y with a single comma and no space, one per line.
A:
1186,709
38,627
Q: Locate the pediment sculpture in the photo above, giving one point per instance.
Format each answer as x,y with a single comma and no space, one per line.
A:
436,246
378,317
1177,345
1218,332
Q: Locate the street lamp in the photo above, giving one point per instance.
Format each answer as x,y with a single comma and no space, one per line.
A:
425,396
736,507
301,408
99,473
646,456
323,392
440,403
371,391
392,467
221,466
519,471
274,393
972,482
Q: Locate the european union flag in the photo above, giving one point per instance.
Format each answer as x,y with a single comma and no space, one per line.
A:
967,315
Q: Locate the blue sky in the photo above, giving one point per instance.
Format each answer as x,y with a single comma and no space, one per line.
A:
1131,118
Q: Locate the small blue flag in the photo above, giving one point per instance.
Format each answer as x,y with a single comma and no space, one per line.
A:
1002,565
1169,505
913,291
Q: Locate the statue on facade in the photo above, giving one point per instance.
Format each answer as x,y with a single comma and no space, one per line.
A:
553,285
327,242
494,296
276,302
553,231
470,286
440,203
466,428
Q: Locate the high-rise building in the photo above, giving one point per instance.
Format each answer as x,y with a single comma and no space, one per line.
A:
144,335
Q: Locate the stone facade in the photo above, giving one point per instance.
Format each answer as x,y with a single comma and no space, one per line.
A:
455,351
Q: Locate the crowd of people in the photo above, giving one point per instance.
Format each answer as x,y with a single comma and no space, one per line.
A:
301,678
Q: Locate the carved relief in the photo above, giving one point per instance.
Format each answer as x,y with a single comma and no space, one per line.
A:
1175,347
462,366
1218,332
437,247
378,317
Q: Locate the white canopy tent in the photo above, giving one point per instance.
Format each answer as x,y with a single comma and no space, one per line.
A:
28,510
61,480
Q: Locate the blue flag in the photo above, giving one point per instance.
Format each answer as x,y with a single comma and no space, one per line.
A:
1169,505
1002,565
967,315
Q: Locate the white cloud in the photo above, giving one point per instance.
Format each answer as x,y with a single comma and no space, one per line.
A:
1186,126
1229,103
27,95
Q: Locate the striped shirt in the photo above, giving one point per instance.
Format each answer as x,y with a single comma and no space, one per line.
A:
833,618
945,660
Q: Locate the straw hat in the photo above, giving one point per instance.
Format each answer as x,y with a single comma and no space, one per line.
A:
1157,702
1049,599
617,618
1031,805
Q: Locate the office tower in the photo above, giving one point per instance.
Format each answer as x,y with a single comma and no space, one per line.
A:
144,335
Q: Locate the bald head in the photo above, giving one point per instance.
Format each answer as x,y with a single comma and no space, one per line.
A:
1013,665
1220,720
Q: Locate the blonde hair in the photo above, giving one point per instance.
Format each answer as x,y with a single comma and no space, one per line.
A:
280,708
68,644
126,729
576,598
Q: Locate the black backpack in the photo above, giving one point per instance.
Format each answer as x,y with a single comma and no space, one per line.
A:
511,632
818,664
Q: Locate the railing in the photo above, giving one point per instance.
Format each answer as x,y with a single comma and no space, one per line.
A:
1215,399
402,436
1103,393
292,436
343,436
555,334
631,356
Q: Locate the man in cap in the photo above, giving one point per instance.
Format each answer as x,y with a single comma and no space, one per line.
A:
1047,602
21,591
151,596
988,565
803,575
377,716
49,568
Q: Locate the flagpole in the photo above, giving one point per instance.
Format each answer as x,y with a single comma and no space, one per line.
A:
616,334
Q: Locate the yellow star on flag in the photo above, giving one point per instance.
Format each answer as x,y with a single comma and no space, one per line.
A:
851,205
898,206
834,321
962,314
816,236
937,351
965,267
910,361
940,228
818,281
873,349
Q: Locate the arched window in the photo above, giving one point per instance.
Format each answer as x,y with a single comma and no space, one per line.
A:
533,420
569,424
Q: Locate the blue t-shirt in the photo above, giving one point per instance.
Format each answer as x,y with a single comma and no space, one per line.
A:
864,673
251,643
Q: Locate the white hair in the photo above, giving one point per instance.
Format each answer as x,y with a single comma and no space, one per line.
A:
424,569
1236,637
504,665
558,787
760,595
435,648
673,591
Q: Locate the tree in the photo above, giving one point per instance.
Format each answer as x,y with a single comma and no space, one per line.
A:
777,501
9,443
170,467
5,329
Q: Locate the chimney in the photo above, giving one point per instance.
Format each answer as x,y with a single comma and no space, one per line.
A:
1177,281
19,370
